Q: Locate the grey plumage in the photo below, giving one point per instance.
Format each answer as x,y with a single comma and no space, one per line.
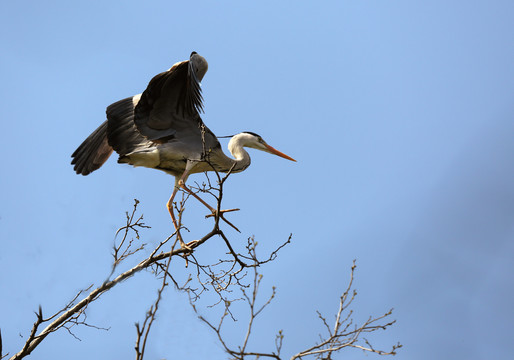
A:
166,112
93,152
162,129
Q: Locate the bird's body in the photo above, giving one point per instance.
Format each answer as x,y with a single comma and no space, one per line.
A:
173,156
162,129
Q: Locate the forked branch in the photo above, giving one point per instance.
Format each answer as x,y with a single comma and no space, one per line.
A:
343,334
235,277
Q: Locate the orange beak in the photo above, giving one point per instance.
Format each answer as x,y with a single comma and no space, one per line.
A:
278,153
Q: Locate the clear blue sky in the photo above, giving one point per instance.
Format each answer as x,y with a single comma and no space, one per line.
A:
401,117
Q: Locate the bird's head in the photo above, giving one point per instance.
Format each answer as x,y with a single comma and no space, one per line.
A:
198,65
252,140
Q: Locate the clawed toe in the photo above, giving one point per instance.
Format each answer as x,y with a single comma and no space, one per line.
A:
189,245
221,212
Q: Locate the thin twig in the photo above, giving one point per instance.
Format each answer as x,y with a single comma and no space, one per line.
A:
150,317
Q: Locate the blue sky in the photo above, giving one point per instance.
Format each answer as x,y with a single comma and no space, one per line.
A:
399,113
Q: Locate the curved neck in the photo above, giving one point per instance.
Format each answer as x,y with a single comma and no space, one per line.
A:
241,157
241,160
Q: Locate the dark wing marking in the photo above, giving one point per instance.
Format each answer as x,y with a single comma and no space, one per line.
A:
118,132
171,102
194,99
93,152
122,132
170,105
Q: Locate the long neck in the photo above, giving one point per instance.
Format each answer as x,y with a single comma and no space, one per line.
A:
241,157
241,161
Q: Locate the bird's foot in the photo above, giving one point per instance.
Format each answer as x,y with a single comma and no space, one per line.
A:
220,214
190,245
187,247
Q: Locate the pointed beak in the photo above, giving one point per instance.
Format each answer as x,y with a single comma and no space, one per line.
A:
278,153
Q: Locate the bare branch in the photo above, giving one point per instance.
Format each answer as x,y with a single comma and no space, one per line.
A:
120,252
70,313
229,279
249,295
278,341
142,332
341,336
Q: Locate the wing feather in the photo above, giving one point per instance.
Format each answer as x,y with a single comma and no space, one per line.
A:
168,110
93,152
172,101
122,132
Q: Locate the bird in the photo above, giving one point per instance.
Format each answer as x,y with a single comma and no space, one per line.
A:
161,128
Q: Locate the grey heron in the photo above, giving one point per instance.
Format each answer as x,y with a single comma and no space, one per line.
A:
162,129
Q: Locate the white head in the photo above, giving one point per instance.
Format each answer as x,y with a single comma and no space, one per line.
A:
252,140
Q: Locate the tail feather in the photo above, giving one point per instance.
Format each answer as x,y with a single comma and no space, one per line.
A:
117,133
93,152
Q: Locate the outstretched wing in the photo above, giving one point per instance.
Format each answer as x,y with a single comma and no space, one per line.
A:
121,131
172,101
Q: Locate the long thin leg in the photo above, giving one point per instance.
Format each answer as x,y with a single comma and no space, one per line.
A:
181,183
170,207
213,210
170,210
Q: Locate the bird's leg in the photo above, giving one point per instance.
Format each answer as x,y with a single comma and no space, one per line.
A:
182,180
213,210
175,224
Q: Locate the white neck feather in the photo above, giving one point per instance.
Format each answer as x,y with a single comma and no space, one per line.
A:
241,156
